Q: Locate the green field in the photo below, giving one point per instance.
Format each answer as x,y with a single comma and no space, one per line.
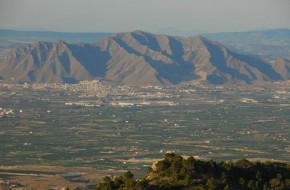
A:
210,123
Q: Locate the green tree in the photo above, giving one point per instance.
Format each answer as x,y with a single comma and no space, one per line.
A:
251,184
142,184
211,184
227,187
242,181
244,163
106,184
287,183
274,183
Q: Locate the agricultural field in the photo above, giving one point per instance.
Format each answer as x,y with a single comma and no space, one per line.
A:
105,129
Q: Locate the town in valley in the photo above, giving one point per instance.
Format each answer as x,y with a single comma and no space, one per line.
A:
76,133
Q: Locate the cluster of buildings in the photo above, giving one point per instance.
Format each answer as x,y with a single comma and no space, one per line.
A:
5,112
97,93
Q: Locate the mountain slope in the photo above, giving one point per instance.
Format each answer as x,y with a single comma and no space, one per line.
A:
137,58
43,62
282,66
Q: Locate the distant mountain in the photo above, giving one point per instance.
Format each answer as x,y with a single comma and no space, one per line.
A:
138,58
271,44
13,38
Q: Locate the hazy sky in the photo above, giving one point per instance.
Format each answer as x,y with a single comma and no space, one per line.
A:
148,15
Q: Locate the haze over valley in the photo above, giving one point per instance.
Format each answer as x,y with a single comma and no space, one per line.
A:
145,95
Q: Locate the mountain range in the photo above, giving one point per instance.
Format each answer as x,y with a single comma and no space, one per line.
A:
14,38
271,44
139,58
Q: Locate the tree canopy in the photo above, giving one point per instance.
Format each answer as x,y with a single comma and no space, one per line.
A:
176,172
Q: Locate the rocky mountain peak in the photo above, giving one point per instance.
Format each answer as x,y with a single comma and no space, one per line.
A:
138,58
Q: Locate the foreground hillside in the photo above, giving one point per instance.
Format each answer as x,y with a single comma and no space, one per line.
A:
175,172
138,58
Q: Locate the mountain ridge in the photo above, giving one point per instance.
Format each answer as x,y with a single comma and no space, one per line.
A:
138,58
271,44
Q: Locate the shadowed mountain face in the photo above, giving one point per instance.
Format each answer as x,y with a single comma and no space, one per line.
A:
138,58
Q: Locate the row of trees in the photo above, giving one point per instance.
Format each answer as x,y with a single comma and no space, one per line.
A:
175,172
